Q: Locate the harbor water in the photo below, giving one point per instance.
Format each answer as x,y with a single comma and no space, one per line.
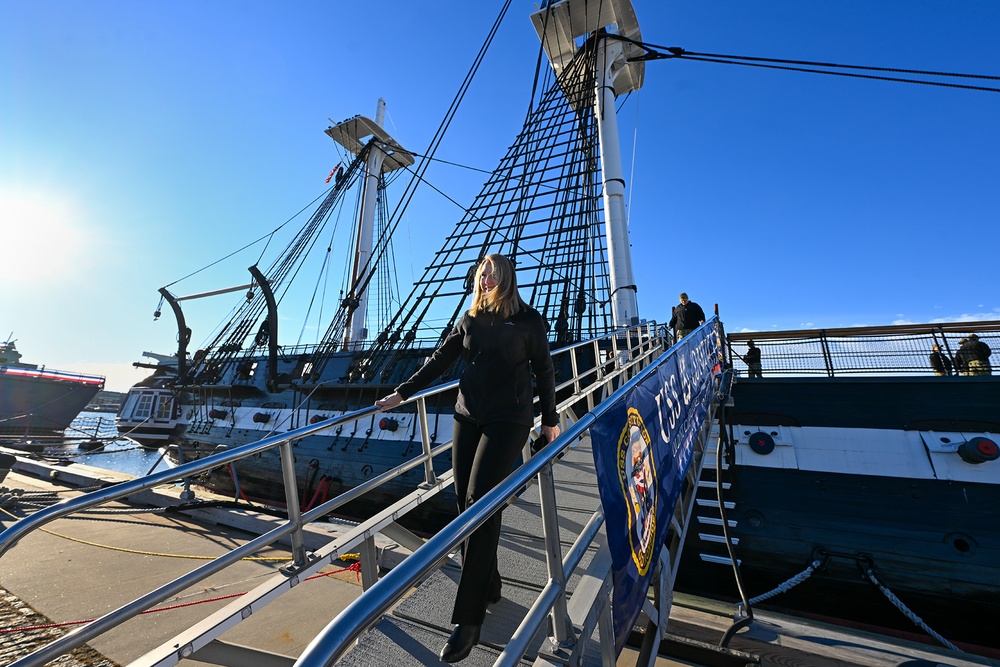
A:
118,453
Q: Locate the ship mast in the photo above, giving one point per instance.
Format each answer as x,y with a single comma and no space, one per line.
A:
559,25
385,156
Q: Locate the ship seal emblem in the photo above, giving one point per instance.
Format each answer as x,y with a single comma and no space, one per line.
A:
637,474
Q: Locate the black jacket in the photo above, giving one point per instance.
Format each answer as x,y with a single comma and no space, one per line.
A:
973,350
687,316
496,382
940,363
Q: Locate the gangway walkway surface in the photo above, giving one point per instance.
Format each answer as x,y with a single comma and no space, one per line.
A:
419,625
570,587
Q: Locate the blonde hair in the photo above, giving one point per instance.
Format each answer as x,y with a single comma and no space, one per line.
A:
502,300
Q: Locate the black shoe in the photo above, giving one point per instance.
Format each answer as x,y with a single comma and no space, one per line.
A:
460,643
493,599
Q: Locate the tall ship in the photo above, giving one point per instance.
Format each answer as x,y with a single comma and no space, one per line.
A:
554,205
39,401
878,472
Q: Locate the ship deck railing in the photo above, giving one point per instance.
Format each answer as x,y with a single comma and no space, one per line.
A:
624,356
896,350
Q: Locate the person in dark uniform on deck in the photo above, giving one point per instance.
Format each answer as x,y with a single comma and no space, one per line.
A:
499,336
752,359
973,356
959,359
939,361
687,317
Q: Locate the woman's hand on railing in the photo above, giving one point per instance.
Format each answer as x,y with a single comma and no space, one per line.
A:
389,402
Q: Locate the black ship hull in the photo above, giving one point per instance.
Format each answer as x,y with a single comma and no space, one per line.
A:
327,465
333,461
864,477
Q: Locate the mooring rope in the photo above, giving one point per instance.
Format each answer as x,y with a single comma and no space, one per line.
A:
919,622
870,574
133,510
789,584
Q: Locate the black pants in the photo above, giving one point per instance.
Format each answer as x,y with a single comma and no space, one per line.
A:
482,456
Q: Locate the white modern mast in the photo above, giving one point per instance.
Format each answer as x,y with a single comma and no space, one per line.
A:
385,156
559,25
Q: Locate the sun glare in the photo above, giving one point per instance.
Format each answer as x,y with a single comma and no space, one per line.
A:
42,236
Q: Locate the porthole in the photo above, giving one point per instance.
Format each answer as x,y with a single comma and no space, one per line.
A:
962,543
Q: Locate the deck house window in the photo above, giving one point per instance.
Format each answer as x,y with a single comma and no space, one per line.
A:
164,409
144,407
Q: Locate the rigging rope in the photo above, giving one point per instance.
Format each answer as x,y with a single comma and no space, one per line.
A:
248,245
436,140
812,67
848,74
552,175
683,53
540,206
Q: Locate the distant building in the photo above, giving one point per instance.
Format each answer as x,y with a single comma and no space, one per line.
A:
106,401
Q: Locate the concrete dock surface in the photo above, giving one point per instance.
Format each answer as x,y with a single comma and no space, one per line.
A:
81,568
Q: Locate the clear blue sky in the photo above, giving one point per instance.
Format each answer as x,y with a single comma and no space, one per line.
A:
141,141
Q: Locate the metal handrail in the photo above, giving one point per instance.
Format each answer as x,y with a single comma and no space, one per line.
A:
292,528
16,532
13,534
364,612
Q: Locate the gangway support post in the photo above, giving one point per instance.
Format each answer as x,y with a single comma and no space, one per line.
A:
292,503
369,563
430,479
562,630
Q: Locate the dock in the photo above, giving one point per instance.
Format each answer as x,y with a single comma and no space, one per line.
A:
79,568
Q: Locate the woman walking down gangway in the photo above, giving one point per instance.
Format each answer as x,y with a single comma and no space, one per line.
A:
499,335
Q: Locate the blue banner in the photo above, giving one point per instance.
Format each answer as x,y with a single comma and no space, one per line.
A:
642,449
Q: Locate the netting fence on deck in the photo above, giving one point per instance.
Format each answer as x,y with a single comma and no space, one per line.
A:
887,350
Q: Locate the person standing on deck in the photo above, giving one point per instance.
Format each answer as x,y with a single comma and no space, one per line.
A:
939,361
752,359
959,359
686,317
974,355
499,336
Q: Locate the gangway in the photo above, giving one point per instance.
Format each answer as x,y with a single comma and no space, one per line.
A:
554,552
